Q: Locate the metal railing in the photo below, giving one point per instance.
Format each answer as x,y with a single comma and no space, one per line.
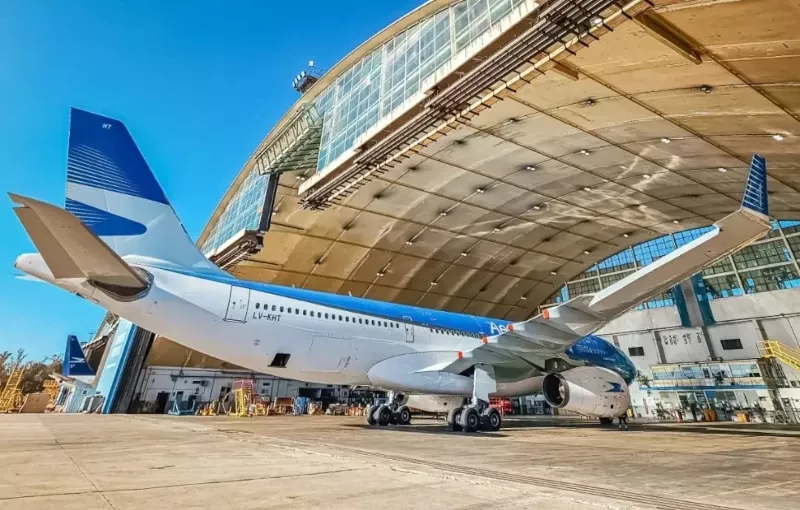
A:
781,352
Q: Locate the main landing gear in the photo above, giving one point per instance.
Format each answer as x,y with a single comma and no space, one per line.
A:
477,415
474,417
393,412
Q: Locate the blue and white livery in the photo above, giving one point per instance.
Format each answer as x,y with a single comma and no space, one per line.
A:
119,243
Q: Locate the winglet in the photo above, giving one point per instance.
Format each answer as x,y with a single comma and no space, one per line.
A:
755,191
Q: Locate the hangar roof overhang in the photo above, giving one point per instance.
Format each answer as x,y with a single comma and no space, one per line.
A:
646,131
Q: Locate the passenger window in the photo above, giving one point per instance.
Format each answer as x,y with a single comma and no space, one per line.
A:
289,310
281,309
326,315
257,306
340,318
273,308
373,322
346,318
304,311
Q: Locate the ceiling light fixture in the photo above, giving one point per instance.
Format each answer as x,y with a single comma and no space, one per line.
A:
553,273
706,89
597,21
675,221
409,242
480,190
665,140
497,229
379,273
530,167
723,170
589,102
584,152
464,254
647,176
434,284
777,137
587,188
443,213
536,207
522,298
587,252
626,235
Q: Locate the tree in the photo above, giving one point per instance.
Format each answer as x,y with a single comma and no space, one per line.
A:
35,372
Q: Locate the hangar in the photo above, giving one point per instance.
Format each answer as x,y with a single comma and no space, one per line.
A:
495,156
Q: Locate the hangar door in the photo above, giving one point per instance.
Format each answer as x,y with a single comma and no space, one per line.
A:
238,302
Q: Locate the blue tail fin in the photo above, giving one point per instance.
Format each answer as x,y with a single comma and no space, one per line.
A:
755,191
75,364
112,190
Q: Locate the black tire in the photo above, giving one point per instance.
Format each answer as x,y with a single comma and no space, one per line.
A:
403,416
470,421
452,419
492,419
371,415
383,415
606,421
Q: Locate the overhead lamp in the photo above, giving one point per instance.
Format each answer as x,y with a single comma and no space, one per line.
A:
647,176
553,273
443,213
626,235
464,254
480,190
522,298
587,252
434,284
597,21
665,140
722,169
409,242
584,152
675,221
530,167
380,273
497,229
706,89
587,188
590,102
536,207
777,137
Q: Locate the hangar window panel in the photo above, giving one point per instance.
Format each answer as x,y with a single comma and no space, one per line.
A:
581,287
636,351
687,236
790,227
661,301
722,286
653,250
606,281
773,252
794,245
775,232
619,262
721,267
770,278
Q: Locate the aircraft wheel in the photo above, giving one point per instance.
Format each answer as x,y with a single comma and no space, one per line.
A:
371,415
403,416
492,419
452,419
383,415
470,421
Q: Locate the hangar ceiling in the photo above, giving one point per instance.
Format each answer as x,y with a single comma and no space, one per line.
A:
497,215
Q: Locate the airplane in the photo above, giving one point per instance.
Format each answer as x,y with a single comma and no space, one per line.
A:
119,244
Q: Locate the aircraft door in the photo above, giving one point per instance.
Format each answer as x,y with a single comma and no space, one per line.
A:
237,304
409,329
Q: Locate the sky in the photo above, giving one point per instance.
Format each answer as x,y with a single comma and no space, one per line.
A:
198,83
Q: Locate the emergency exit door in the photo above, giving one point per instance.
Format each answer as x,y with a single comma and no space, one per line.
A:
409,329
238,302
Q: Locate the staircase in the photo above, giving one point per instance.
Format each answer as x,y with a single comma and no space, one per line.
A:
11,397
777,350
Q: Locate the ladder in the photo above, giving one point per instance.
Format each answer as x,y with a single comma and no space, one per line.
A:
780,351
11,398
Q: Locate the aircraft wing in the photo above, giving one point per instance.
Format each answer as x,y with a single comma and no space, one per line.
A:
71,250
559,326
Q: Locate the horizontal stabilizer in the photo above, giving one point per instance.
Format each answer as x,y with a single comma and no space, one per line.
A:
69,249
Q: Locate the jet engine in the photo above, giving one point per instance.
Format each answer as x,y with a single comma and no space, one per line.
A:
590,391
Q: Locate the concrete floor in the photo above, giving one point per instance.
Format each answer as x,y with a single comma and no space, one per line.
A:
124,462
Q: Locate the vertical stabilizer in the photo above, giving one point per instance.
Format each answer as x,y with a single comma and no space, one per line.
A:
112,190
75,364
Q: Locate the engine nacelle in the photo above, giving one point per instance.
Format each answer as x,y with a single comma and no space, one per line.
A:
590,391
